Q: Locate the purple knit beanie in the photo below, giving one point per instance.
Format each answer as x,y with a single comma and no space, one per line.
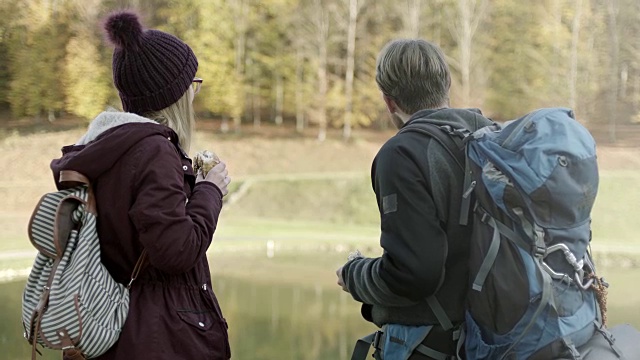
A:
151,69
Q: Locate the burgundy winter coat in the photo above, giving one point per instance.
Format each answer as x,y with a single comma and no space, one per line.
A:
147,199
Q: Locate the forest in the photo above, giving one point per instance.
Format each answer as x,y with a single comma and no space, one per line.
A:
311,63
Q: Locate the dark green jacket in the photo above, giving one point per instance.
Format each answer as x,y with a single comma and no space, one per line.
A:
418,188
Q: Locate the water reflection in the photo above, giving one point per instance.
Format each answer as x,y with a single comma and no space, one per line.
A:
289,322
266,322
297,322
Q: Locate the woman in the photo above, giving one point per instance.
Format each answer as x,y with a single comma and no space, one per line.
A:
148,198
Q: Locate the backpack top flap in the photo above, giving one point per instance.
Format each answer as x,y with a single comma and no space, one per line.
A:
53,219
550,158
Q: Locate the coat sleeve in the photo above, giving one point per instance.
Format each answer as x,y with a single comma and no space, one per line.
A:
175,233
413,241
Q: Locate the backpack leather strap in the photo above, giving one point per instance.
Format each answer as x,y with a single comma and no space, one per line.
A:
71,178
140,264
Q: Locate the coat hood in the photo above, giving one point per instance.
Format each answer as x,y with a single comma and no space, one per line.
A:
470,119
109,136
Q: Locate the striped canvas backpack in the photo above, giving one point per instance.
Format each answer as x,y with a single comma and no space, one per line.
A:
71,302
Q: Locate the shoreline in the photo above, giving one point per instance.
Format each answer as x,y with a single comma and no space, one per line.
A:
611,257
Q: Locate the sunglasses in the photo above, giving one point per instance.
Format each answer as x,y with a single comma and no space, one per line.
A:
197,84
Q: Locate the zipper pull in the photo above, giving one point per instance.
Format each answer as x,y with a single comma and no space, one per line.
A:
469,189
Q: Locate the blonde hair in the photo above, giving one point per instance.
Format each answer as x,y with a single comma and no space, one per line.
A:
415,74
180,117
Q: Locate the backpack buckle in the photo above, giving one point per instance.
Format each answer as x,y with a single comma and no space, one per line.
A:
462,132
540,251
376,340
448,129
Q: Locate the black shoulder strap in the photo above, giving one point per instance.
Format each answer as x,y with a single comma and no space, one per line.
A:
451,139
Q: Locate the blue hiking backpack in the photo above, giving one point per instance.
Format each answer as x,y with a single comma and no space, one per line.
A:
535,183
530,185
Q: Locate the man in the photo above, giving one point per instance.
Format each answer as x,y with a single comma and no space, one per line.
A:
421,278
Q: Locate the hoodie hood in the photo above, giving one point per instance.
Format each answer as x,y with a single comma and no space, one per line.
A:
109,120
470,119
109,137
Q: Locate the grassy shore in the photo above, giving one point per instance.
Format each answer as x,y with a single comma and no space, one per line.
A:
298,192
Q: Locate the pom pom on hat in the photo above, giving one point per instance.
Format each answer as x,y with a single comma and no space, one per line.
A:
124,30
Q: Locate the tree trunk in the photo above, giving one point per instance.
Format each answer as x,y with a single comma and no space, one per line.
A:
589,75
279,98
438,22
257,117
351,50
241,11
466,37
612,12
254,95
636,93
557,71
414,9
323,40
575,42
322,92
299,91
470,14
636,78
224,125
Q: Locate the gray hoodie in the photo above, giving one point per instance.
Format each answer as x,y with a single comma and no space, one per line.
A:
418,188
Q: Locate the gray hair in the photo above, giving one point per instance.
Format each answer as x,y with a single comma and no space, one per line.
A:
414,73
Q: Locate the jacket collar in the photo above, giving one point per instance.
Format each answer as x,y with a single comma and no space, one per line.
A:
426,113
108,120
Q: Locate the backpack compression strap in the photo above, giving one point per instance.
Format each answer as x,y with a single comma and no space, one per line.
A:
609,337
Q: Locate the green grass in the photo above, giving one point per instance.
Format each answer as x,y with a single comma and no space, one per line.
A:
347,207
13,232
310,214
617,209
334,200
232,225
16,264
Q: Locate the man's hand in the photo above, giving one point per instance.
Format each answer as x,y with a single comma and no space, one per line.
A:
340,280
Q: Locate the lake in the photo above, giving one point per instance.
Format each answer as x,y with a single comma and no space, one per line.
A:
303,320
266,322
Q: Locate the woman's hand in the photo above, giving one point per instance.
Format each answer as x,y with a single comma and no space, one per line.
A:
218,176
